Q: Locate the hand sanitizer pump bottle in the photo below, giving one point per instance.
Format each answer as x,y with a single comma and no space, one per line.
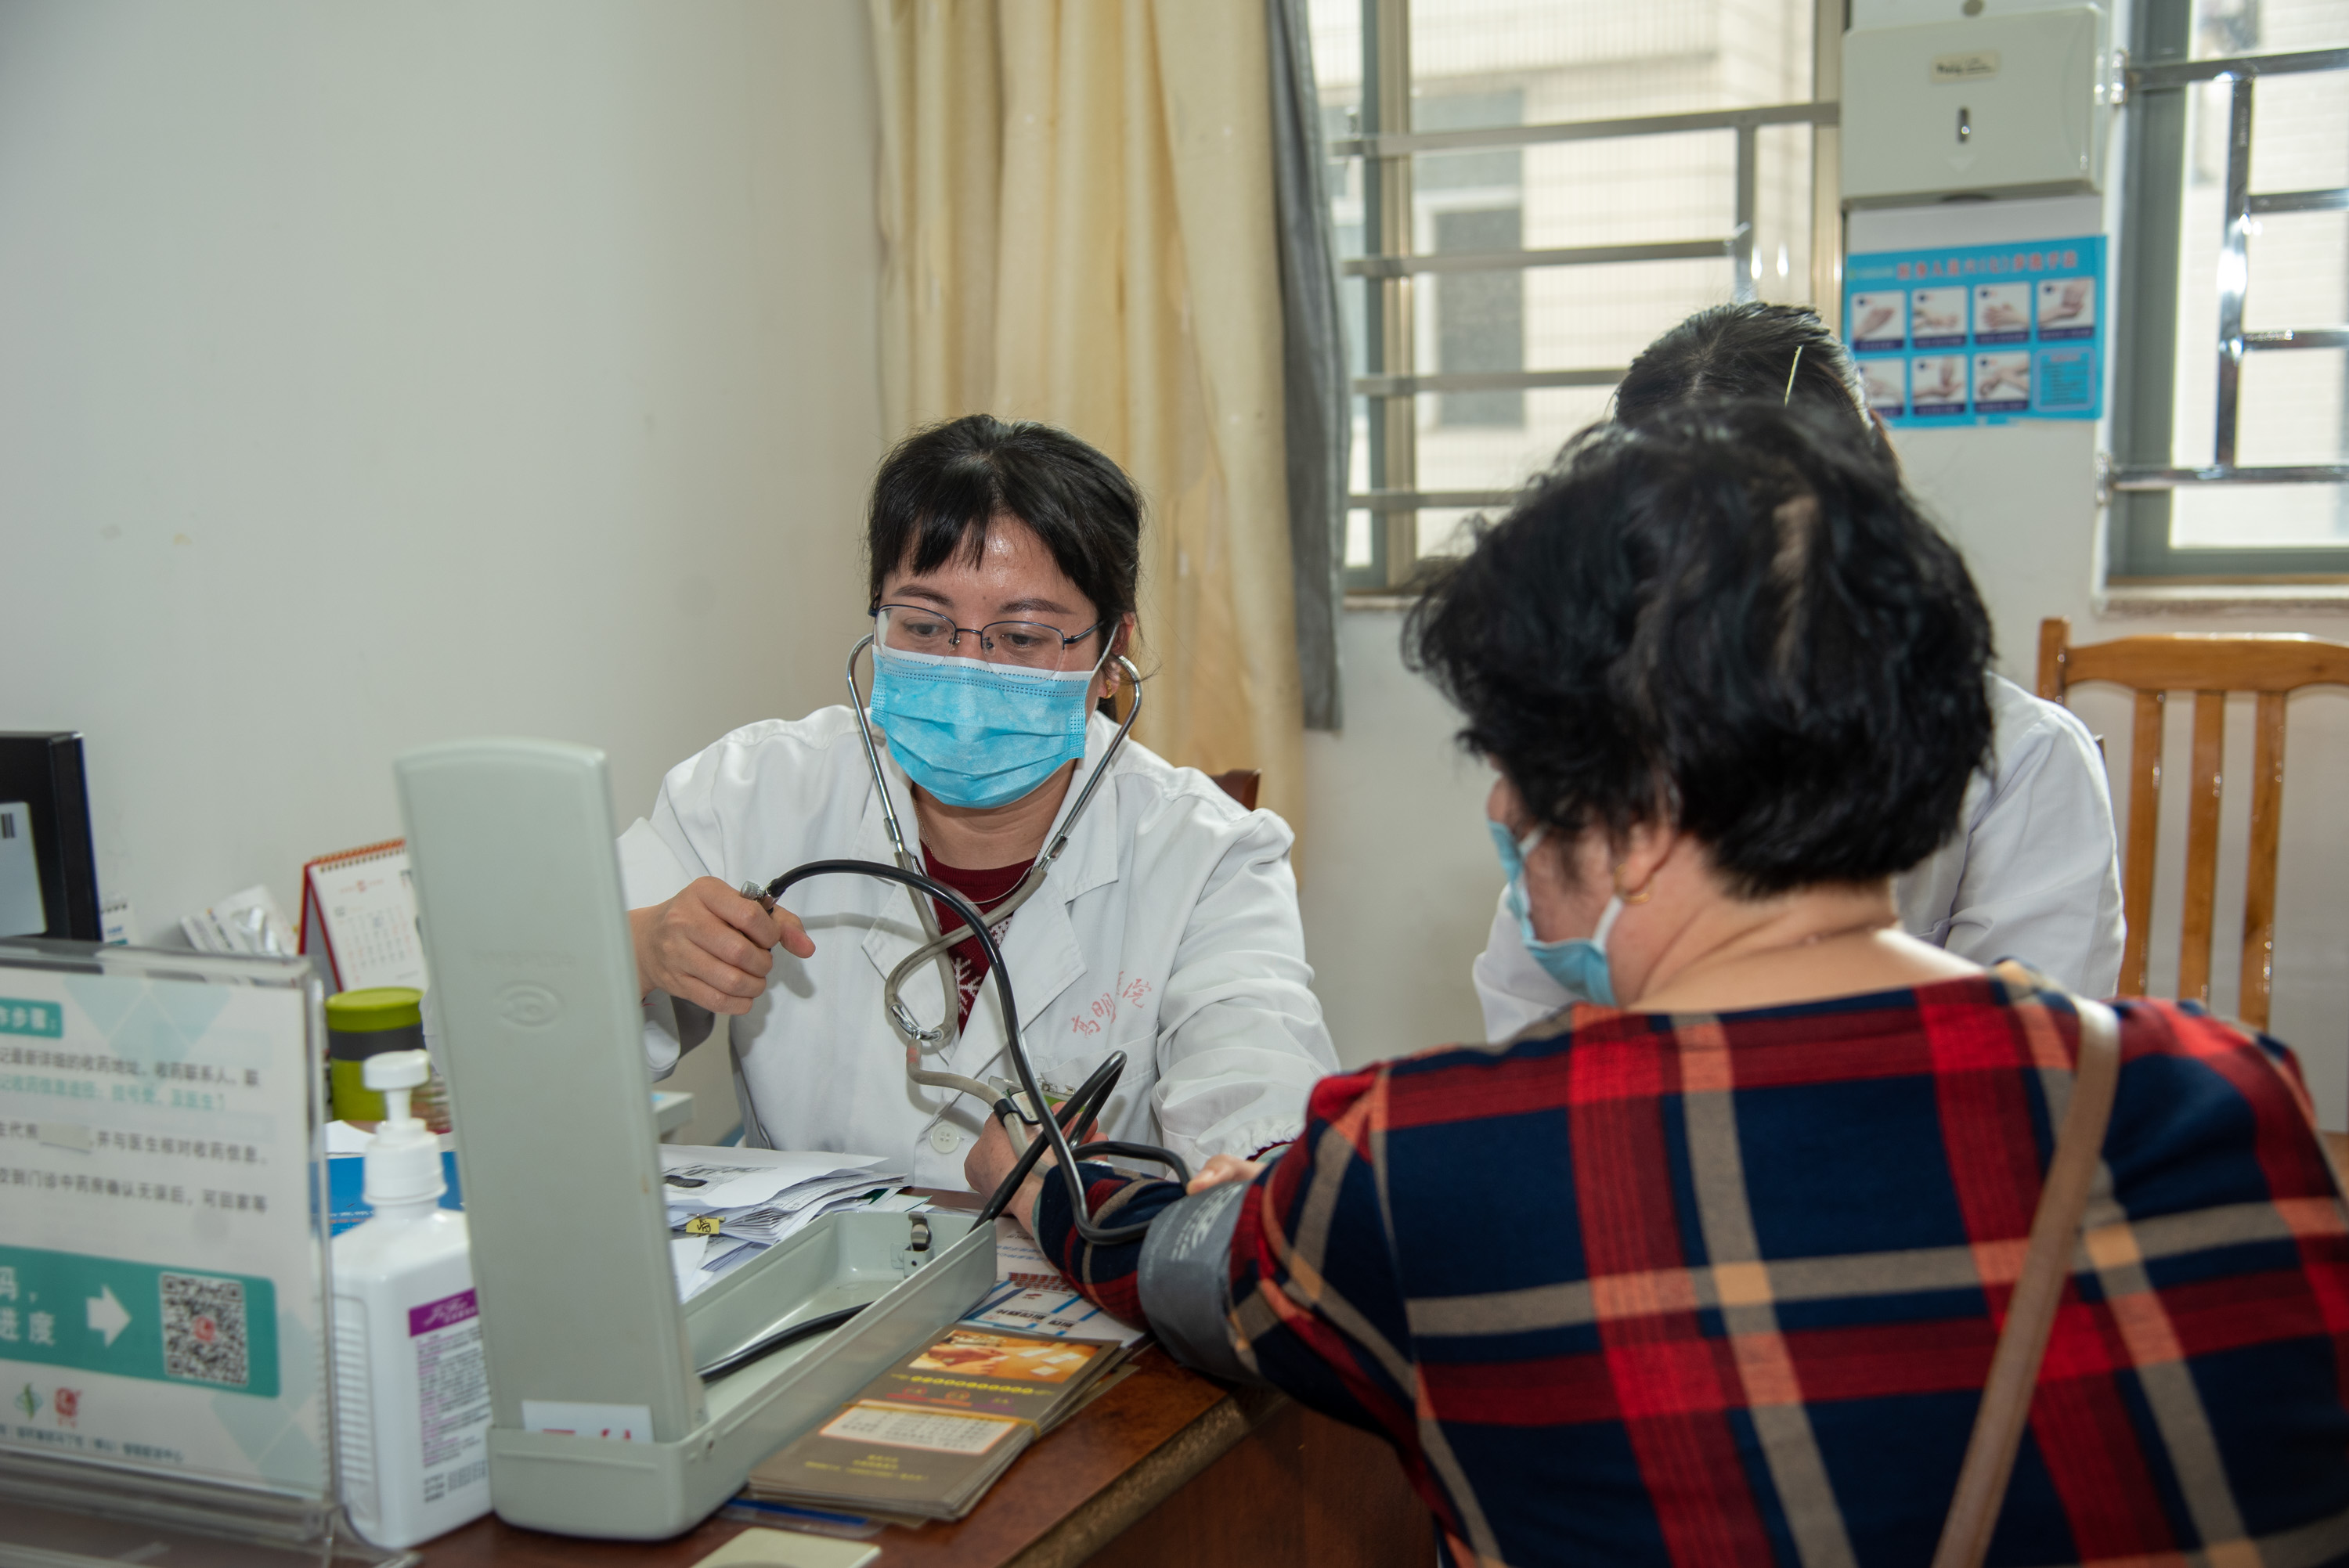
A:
412,1393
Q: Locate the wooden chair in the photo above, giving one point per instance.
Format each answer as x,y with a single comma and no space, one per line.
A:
2273,664
1240,784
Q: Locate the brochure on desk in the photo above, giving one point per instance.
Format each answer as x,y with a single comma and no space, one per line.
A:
160,1278
1980,334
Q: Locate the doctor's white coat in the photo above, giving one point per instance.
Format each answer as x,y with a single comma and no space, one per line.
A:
1168,929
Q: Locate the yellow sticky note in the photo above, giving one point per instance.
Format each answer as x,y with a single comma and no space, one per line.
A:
702,1225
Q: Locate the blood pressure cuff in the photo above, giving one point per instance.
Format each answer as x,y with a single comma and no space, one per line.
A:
1184,1280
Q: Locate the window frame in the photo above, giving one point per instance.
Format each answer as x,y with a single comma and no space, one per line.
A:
1390,260
2141,477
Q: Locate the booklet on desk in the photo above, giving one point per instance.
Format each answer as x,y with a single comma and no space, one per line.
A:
930,1435
1045,1313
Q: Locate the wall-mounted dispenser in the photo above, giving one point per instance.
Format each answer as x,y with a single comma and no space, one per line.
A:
2012,104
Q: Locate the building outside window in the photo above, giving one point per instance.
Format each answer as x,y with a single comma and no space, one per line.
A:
1519,263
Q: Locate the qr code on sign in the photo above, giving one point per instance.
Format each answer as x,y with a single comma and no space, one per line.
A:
203,1329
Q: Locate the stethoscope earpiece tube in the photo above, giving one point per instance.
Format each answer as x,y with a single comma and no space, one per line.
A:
1105,1075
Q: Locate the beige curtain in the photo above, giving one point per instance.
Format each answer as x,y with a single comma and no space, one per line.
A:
1077,202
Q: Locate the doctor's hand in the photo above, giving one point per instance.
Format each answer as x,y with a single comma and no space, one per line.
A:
711,947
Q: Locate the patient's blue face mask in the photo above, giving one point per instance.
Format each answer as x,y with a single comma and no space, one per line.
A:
1579,963
976,734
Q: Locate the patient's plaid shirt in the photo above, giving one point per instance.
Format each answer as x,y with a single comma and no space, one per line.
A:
1654,1289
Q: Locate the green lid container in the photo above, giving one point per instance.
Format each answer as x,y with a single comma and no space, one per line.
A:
373,1011
359,1024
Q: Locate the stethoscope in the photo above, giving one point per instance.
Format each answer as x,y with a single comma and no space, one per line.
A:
1026,1111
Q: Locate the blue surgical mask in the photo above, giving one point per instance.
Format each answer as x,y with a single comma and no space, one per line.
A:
976,734
1579,963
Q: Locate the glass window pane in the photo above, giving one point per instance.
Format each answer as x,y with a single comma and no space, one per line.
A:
2226,27
1337,32
2294,406
1492,458
1479,317
1337,29
1783,213
2202,224
1596,59
2236,516
1600,317
1478,63
2300,128
1445,532
2299,267
2267,27
1632,190
2296,275
1438,108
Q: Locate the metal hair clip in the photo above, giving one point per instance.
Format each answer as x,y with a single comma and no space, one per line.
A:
1789,397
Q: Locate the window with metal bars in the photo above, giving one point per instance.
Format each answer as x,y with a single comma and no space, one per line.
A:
2231,406
1525,192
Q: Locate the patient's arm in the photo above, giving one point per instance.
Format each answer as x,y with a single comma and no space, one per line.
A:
1287,1279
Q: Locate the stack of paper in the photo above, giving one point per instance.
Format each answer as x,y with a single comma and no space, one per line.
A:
727,1206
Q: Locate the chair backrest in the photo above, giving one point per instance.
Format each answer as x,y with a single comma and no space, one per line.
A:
1240,784
2272,665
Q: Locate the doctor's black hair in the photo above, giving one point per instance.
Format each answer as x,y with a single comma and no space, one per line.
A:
937,490
1732,619
1750,350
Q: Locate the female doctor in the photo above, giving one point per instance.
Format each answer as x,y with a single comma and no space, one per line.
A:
1003,562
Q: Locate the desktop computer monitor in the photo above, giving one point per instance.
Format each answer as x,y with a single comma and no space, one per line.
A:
49,886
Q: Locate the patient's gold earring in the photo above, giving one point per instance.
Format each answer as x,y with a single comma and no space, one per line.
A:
1647,891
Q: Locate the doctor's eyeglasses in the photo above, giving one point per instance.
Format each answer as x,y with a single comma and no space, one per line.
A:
1025,645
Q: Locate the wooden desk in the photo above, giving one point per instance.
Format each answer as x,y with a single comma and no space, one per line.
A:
1167,1470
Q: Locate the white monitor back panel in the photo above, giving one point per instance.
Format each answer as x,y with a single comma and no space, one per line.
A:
526,936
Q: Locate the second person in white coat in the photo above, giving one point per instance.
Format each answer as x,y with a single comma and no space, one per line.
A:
2032,871
1003,576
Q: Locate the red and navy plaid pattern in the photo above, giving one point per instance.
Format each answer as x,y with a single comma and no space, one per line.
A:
1691,1290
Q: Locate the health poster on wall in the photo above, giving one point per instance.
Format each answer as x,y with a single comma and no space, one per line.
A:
161,1272
1980,334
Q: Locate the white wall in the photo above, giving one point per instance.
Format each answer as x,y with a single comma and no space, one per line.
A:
1397,874
382,373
